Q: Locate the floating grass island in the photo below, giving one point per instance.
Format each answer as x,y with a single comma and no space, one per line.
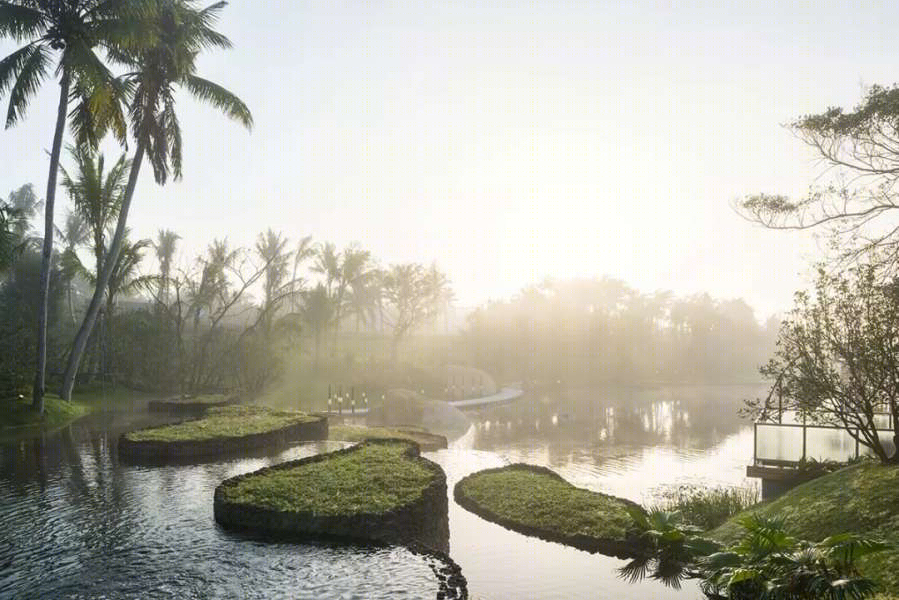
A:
223,430
357,433
861,499
537,501
191,404
380,490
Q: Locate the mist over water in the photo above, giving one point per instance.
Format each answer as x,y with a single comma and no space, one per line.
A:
151,527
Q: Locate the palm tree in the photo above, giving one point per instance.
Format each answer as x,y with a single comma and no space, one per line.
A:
15,216
124,279
271,248
75,233
96,196
71,29
157,71
341,271
166,241
317,312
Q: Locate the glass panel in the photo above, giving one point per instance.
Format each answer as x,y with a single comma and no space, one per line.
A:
829,444
778,443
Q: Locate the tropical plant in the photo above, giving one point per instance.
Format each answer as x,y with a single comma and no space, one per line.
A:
671,547
768,564
96,195
166,242
317,313
72,30
74,234
125,278
765,563
156,71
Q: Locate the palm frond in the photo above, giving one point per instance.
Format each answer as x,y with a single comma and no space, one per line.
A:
12,65
220,98
32,73
20,22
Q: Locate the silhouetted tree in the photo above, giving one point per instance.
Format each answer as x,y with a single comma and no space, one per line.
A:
72,30
859,150
181,32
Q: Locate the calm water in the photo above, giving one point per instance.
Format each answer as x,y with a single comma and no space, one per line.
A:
76,523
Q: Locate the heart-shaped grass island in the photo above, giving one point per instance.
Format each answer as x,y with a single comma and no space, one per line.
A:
379,490
223,431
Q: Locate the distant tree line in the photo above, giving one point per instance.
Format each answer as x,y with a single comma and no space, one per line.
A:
224,320
593,330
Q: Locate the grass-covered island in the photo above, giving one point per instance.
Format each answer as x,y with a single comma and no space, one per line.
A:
860,499
191,403
223,430
537,501
380,490
357,433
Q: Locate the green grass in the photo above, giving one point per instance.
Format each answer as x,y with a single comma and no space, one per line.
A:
358,433
863,498
539,500
223,422
372,479
708,507
18,420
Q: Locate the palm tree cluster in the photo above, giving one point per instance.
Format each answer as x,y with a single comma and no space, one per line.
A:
155,44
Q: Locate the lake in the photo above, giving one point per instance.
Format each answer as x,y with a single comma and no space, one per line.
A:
77,523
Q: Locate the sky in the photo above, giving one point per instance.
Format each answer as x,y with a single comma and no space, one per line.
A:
510,141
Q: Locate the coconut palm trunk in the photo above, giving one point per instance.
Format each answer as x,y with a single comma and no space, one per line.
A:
115,247
47,250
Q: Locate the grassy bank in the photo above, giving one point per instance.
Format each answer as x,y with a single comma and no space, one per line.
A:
373,479
223,422
357,433
18,420
862,499
536,501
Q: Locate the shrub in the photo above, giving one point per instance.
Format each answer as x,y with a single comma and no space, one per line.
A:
708,507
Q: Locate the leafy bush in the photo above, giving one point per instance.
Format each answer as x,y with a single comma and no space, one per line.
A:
765,563
768,564
708,507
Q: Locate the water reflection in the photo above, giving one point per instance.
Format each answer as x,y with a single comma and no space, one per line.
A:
77,524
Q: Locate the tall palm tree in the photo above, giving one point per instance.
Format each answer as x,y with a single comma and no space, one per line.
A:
68,31
96,195
166,242
317,312
125,279
341,271
74,234
271,248
157,71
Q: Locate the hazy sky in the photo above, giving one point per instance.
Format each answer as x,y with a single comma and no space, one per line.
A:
513,140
